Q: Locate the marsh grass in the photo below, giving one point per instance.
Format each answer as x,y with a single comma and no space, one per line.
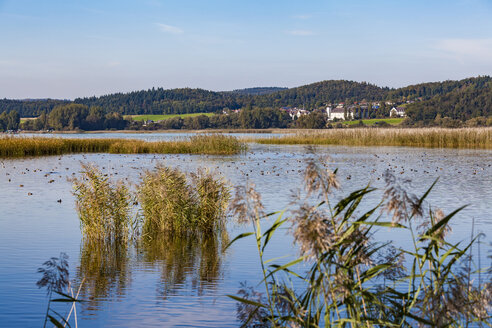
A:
480,138
173,203
211,144
353,280
170,202
104,207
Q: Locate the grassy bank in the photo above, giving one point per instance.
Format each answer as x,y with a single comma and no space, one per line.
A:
199,144
391,121
156,118
425,137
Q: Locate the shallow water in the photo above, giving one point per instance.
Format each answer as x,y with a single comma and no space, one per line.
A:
185,283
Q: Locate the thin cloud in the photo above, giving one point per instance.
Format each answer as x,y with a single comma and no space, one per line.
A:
466,48
8,62
302,16
114,63
169,29
300,32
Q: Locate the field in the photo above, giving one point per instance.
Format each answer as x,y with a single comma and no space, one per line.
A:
392,121
156,118
24,119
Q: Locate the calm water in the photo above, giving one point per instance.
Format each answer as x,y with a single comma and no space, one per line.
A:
183,282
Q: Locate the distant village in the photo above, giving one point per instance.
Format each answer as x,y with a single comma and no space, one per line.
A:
342,111
345,112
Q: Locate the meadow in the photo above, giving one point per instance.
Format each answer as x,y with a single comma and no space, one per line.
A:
391,121
157,118
38,146
476,138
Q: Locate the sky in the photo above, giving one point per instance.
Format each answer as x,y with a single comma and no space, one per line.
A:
70,48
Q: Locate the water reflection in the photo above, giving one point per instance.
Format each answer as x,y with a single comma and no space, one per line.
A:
182,264
105,269
189,261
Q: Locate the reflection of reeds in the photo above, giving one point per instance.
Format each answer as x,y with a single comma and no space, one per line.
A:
172,204
104,266
183,259
215,144
423,137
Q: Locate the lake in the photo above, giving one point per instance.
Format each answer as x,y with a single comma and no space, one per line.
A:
179,282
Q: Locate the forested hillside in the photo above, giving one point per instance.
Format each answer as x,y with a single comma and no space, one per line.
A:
317,94
30,108
161,101
179,101
431,89
473,99
257,91
461,100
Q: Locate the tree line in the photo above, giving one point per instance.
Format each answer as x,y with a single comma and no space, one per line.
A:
76,117
461,100
9,120
30,107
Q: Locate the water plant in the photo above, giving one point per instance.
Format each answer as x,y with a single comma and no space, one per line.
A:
104,207
55,278
172,203
211,144
480,138
353,280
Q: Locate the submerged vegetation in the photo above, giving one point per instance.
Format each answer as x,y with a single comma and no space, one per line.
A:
353,280
480,138
212,144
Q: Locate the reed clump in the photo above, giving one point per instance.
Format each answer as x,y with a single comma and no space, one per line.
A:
480,138
353,280
214,144
104,207
172,203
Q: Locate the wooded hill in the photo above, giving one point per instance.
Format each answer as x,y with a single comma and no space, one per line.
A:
30,107
461,99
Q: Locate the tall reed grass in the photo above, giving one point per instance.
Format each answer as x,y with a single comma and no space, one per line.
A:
215,144
172,203
104,207
422,137
353,280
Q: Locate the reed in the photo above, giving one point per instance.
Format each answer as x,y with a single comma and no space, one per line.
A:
480,138
104,207
353,280
214,144
172,203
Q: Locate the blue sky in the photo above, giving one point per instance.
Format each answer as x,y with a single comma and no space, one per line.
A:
68,49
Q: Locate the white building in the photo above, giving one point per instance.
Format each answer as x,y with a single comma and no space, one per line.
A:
339,113
397,112
296,113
